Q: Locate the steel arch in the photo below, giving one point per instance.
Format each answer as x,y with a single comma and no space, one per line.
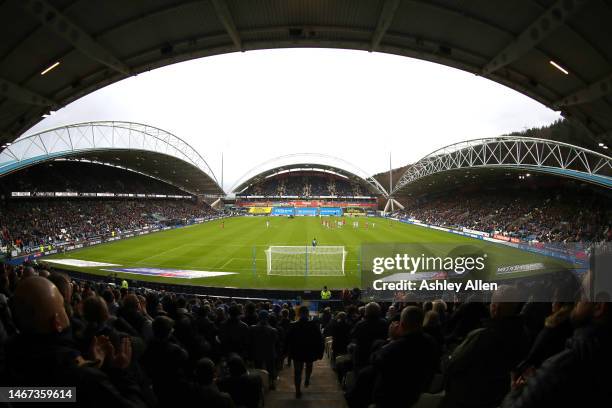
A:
316,159
521,153
67,140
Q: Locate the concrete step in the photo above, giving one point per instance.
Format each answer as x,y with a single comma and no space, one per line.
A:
323,391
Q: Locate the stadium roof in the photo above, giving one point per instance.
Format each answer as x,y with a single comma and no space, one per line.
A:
512,152
308,162
556,52
132,146
488,178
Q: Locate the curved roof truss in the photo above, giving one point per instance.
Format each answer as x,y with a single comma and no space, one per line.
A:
522,153
307,162
124,144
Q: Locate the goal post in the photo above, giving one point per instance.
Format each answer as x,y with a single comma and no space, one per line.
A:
305,260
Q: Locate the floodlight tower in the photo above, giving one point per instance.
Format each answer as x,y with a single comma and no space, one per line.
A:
391,202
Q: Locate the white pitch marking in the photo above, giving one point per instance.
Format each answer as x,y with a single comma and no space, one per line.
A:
80,263
226,263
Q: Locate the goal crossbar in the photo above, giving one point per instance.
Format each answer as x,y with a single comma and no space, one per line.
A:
304,260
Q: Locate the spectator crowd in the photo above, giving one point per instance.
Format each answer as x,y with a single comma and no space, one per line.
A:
541,216
142,348
32,223
305,185
83,177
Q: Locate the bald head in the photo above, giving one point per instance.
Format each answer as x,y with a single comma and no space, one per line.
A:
39,307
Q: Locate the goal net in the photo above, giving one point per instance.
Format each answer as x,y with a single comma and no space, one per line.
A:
305,260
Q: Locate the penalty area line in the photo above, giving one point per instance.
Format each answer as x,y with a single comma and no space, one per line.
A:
226,263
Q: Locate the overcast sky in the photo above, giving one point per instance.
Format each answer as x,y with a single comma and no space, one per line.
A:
356,105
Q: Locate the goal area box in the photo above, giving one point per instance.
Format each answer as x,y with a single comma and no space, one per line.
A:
306,260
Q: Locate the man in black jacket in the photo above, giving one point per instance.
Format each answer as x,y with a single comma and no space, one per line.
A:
373,327
166,363
305,345
405,367
478,370
234,333
580,375
44,354
264,346
340,331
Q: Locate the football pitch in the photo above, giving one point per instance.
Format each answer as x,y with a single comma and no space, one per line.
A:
231,252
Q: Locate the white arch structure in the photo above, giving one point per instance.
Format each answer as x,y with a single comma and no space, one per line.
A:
306,161
514,152
104,136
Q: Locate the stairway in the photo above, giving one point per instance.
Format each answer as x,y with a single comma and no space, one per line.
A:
323,391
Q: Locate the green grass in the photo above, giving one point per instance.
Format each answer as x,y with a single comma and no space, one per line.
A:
209,247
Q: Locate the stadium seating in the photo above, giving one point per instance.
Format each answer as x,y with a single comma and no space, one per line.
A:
28,223
544,215
157,342
67,176
460,353
304,185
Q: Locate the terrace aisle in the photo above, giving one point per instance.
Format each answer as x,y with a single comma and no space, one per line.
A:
323,391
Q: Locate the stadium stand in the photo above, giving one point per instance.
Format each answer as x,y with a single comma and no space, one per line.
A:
32,223
304,185
153,345
60,202
82,177
145,348
543,214
139,347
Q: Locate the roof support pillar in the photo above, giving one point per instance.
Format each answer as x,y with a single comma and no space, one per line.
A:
384,22
224,14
